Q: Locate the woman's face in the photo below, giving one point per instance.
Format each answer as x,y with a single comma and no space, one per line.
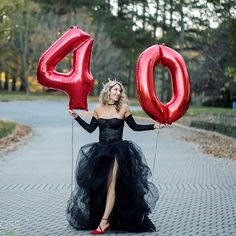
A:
115,93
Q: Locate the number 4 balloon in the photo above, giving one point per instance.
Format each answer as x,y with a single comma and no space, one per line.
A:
78,83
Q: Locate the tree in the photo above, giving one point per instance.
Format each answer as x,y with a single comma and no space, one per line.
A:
7,9
19,44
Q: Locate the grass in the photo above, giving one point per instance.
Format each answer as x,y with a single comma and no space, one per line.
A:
51,96
22,96
140,113
195,111
6,128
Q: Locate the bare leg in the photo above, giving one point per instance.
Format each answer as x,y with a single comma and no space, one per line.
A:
110,201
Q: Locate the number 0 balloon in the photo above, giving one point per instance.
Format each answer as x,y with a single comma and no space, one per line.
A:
178,105
78,83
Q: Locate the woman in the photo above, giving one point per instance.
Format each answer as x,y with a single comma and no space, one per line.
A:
112,188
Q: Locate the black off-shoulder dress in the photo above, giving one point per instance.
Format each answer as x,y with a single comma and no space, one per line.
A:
135,196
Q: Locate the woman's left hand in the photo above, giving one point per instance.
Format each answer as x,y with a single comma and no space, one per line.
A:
159,126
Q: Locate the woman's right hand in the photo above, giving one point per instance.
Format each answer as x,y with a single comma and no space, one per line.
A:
73,113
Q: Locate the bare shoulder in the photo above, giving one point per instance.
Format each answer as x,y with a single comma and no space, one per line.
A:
97,110
98,106
125,110
125,107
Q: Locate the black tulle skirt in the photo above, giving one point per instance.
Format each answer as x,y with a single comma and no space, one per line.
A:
135,196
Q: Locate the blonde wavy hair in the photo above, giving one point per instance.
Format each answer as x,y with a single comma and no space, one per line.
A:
105,94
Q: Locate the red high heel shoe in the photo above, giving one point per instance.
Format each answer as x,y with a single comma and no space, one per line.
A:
107,229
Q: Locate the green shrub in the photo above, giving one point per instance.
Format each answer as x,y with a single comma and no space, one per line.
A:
227,129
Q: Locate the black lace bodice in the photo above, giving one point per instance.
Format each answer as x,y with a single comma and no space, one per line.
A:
111,130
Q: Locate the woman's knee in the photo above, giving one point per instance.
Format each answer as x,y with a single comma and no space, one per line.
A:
112,186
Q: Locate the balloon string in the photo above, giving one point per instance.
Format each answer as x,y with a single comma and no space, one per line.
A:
72,153
154,162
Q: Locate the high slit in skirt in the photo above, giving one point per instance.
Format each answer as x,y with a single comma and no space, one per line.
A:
135,195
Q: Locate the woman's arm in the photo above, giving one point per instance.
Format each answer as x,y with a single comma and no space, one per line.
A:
88,127
131,122
137,127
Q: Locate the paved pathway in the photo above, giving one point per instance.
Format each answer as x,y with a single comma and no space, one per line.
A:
197,191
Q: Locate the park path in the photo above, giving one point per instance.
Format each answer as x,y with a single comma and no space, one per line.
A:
197,191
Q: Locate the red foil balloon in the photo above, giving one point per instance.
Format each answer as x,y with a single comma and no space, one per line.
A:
176,108
78,83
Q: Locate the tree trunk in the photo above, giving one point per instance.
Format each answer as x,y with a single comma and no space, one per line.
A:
171,13
130,92
155,19
144,15
181,38
24,37
13,86
164,20
6,83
